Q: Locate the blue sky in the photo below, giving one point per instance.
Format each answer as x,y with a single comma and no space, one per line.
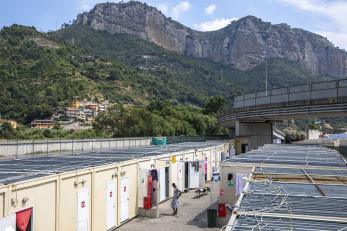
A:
326,17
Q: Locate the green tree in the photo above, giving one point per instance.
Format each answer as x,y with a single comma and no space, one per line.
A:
214,104
7,131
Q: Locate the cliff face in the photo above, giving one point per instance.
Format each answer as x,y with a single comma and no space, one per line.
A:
243,44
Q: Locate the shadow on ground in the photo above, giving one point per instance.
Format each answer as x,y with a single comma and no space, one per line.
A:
166,215
199,220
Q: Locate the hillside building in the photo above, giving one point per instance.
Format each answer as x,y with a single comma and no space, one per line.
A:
42,124
11,122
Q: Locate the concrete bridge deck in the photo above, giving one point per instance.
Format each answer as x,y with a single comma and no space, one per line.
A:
250,117
321,99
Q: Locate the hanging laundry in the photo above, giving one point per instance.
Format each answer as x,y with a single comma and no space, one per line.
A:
240,183
195,164
205,165
23,218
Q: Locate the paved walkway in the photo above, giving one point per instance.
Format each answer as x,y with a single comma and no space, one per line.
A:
191,216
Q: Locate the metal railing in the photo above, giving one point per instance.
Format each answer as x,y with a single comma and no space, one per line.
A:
334,91
31,148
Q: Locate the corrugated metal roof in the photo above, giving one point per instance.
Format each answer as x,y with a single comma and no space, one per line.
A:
272,205
298,205
292,155
303,199
295,189
283,224
295,171
29,168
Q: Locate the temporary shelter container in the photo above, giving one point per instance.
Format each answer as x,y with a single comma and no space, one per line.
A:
91,191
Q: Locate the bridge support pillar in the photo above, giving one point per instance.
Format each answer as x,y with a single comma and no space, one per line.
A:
232,132
251,135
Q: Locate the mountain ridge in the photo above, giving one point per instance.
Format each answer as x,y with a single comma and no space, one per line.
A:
240,45
41,72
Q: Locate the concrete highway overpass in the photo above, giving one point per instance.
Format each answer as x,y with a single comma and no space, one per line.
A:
251,116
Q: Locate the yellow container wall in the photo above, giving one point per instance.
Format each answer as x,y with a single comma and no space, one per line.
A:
147,164
230,196
199,155
42,198
2,204
68,201
131,173
99,196
163,162
189,156
54,198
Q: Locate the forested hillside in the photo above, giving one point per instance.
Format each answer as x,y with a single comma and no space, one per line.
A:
39,75
40,72
177,76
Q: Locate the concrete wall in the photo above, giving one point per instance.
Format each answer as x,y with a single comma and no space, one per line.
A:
54,198
258,134
32,147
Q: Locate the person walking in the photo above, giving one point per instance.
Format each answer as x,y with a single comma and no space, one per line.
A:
176,194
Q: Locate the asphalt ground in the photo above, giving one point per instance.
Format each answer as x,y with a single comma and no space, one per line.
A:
192,215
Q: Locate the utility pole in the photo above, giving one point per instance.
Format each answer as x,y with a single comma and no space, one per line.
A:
342,66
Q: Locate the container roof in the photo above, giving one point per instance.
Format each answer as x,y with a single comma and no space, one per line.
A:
298,199
277,203
269,205
271,223
298,189
292,155
296,171
17,170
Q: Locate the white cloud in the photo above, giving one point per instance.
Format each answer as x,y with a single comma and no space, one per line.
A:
180,8
163,8
215,24
339,39
86,5
335,10
210,9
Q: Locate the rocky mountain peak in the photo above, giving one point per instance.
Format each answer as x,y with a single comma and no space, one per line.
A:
241,44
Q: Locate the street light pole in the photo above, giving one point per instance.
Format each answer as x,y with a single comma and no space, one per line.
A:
265,52
342,67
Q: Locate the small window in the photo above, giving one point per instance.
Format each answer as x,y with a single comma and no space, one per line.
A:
230,176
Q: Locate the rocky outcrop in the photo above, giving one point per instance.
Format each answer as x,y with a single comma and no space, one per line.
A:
243,44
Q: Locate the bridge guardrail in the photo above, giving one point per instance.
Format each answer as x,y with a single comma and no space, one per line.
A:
333,91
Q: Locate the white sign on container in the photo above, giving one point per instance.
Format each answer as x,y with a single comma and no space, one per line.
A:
111,204
83,210
124,199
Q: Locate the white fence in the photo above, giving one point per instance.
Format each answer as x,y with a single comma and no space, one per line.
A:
20,148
